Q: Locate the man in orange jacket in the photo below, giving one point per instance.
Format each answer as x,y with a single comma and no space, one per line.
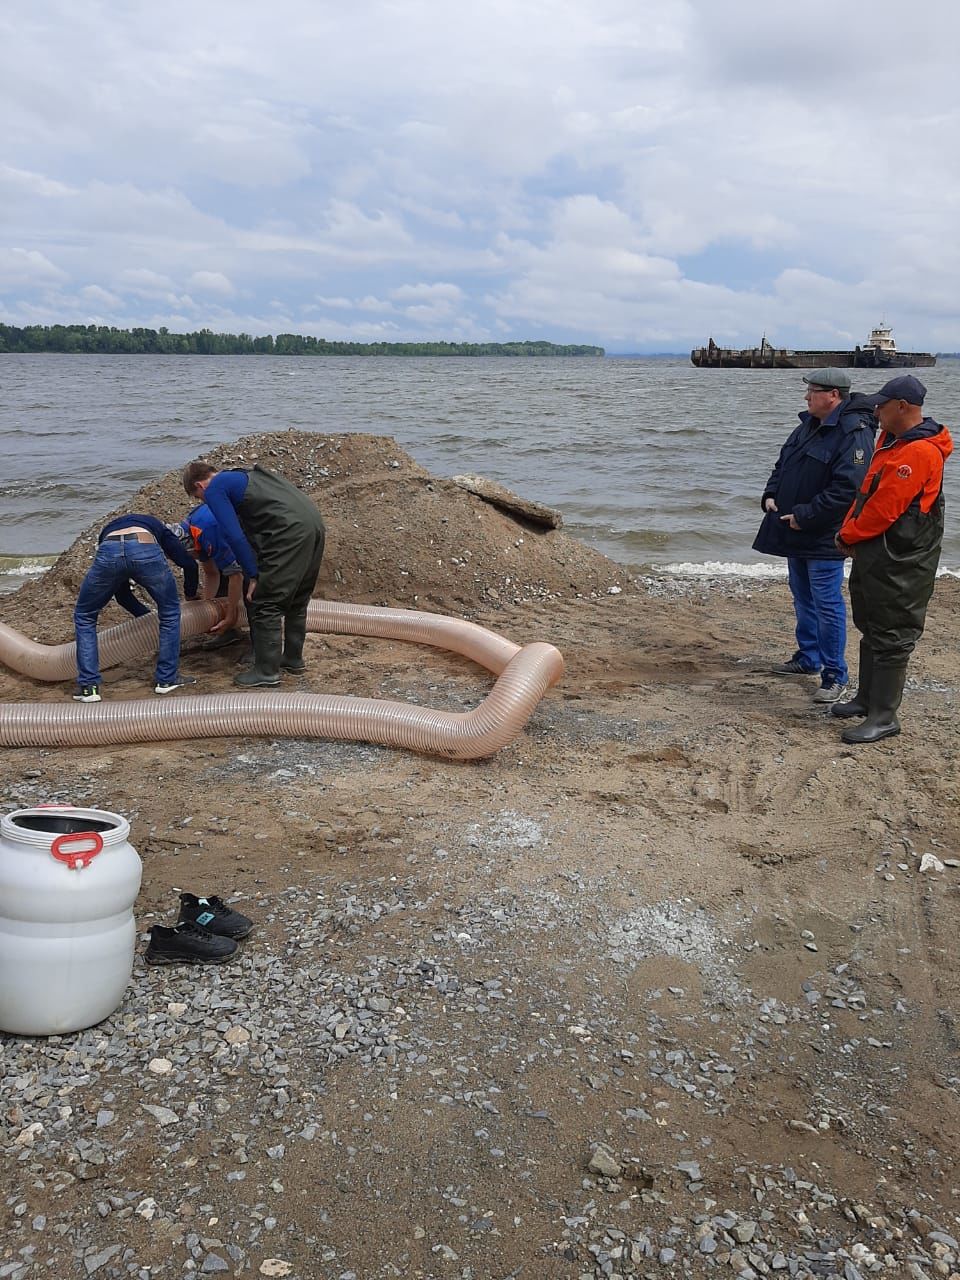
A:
894,532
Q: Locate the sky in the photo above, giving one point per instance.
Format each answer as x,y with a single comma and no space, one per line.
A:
637,174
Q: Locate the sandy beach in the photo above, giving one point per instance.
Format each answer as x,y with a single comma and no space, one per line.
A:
659,989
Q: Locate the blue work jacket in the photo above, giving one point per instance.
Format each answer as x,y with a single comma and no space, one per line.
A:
816,478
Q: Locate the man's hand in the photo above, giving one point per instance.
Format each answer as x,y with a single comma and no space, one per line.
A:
842,546
790,522
251,588
770,504
231,605
226,623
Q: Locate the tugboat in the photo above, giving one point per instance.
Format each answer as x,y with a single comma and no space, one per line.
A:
878,352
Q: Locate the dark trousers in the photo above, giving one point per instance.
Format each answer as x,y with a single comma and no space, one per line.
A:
889,601
286,532
287,578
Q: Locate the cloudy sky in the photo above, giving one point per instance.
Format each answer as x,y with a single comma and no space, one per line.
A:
635,173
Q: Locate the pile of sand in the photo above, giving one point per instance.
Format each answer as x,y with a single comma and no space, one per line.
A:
396,535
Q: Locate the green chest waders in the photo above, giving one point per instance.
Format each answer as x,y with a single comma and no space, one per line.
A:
287,534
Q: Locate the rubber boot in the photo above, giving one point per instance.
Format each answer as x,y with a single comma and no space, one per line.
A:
267,647
885,695
248,659
859,704
294,634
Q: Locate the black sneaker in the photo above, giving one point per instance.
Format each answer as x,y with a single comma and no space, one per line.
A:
87,693
180,683
187,943
793,668
214,915
222,640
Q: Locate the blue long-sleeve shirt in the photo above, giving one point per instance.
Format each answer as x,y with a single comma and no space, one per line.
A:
223,496
170,545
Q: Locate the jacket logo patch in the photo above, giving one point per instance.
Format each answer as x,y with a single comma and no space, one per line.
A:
904,472
858,455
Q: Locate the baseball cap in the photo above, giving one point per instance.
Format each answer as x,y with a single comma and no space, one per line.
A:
906,387
183,535
829,379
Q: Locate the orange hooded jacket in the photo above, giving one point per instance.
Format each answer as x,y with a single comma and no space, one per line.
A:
903,471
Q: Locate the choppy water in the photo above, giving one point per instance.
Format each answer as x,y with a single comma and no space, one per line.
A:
652,461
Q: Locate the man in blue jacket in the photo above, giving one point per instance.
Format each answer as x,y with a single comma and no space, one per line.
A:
221,575
134,548
276,533
816,478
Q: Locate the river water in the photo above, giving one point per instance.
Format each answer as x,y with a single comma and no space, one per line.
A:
653,462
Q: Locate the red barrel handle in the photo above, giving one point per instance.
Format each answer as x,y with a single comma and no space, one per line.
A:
77,859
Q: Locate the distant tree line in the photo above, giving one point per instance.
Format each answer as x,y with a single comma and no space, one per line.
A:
99,339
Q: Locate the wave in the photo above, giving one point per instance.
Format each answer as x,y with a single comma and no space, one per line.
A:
30,433
720,569
15,570
735,569
31,486
25,566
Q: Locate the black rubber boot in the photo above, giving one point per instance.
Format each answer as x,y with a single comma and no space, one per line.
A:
885,695
294,634
267,647
859,704
248,659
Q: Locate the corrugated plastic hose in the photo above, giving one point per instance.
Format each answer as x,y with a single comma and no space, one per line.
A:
524,675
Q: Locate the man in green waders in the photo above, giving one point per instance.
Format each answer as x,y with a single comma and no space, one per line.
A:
894,531
277,536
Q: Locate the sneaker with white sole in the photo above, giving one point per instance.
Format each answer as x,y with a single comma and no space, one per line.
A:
830,691
88,693
793,667
181,682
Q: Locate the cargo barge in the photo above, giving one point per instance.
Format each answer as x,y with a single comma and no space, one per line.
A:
878,352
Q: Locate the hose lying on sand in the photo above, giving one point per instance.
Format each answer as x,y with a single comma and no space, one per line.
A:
139,635
524,675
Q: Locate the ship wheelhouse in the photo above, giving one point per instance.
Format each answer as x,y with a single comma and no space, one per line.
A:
881,339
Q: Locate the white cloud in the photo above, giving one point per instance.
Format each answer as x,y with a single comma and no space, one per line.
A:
143,281
93,293
432,293
26,268
249,146
21,183
211,282
333,304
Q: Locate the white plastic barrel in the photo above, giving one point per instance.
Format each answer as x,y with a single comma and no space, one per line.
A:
68,881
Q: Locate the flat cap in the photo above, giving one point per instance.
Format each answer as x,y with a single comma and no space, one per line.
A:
828,379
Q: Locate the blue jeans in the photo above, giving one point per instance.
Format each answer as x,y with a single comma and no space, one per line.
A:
817,590
114,565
